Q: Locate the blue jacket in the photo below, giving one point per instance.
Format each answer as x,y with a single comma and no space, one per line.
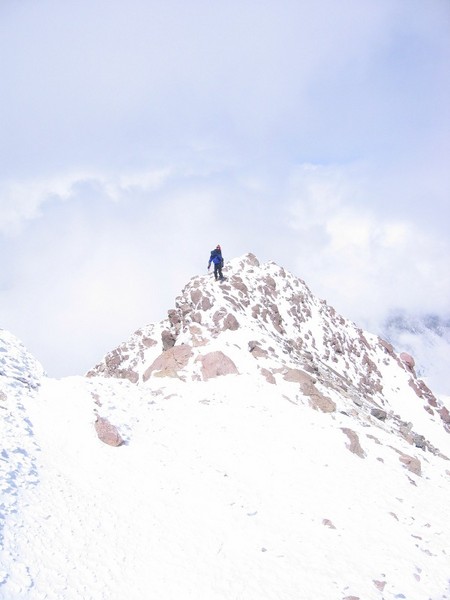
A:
216,257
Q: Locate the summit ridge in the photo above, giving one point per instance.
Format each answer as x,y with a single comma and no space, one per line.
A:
266,323
253,444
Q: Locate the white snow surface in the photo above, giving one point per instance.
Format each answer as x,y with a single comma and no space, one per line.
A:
229,488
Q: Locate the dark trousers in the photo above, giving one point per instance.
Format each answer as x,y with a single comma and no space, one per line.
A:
218,271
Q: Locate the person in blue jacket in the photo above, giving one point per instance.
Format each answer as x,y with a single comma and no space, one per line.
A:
217,260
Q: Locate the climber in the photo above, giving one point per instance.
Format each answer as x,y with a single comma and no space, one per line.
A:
217,260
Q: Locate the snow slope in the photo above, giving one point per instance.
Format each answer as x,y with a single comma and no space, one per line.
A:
275,481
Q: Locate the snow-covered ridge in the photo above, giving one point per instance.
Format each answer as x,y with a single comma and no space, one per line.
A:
17,365
266,323
267,448
20,377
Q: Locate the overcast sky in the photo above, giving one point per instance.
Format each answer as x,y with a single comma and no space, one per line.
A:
135,136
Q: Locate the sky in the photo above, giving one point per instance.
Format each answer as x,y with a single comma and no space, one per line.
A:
135,137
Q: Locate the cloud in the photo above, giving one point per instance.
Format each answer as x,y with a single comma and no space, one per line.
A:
365,261
136,137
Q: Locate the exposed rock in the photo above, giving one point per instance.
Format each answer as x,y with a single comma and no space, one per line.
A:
354,445
270,378
411,463
317,400
168,372
256,350
215,364
238,284
230,322
387,346
174,318
380,585
206,303
170,361
168,339
379,414
196,317
107,432
251,260
419,441
219,315
408,361
328,523
298,376
445,415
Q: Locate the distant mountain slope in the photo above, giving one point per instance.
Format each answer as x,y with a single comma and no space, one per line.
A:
427,338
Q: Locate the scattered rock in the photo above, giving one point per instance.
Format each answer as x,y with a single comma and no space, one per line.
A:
380,585
328,523
419,441
411,463
107,432
256,350
230,322
317,400
445,415
269,376
379,414
354,445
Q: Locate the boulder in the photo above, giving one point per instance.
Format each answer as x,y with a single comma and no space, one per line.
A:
215,364
107,433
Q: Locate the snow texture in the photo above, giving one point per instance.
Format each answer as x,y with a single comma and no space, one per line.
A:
317,469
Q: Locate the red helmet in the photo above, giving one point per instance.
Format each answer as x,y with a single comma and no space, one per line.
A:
218,247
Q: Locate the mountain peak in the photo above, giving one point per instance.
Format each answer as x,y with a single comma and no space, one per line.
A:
264,323
275,446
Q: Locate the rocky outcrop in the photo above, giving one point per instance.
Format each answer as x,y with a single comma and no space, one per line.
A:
168,339
170,362
408,361
297,341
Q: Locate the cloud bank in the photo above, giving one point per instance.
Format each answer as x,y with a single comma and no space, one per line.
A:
137,137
